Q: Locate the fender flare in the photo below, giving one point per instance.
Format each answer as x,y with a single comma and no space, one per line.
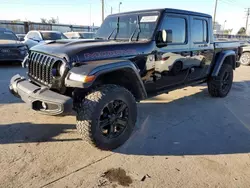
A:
99,68
220,60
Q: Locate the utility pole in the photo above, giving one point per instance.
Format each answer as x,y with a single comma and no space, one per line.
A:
224,26
90,7
111,10
215,9
120,6
248,14
102,10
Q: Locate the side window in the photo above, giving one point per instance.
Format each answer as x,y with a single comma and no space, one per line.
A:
30,35
36,36
176,28
199,31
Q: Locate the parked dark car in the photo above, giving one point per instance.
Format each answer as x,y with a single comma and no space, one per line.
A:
11,49
136,55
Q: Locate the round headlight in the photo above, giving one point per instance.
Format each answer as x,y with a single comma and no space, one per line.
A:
62,69
58,68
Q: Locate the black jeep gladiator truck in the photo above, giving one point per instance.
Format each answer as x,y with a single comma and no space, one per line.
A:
135,55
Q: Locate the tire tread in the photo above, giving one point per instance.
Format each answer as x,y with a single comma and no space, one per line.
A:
214,82
84,114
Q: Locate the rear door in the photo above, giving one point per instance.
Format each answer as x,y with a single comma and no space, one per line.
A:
201,46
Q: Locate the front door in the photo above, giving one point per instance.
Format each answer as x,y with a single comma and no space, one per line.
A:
170,65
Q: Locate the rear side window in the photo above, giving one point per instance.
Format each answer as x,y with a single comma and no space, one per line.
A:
199,31
176,27
53,36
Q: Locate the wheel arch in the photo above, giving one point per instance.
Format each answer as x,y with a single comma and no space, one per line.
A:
125,77
225,57
246,51
119,72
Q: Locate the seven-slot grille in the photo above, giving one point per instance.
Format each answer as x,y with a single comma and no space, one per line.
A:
40,67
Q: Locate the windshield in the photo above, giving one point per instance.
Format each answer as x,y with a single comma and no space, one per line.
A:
53,36
87,35
7,35
128,24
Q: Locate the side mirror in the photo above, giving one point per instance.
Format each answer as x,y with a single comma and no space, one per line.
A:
163,38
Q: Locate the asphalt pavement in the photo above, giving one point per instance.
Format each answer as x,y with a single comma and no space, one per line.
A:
182,139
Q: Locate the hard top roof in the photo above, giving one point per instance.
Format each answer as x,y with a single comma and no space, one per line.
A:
169,10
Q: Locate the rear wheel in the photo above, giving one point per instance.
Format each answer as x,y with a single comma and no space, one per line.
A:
220,85
107,116
177,68
245,58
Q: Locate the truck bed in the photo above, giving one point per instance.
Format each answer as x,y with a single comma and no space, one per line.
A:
227,44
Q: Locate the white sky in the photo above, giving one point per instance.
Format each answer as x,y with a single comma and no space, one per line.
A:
84,12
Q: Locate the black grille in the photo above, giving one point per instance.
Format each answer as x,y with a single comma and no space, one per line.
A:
40,67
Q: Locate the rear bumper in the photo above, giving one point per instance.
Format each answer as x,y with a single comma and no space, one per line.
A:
40,98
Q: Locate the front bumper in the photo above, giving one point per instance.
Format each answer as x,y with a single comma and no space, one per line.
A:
12,57
40,98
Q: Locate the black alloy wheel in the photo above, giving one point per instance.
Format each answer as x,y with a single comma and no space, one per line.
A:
226,82
114,119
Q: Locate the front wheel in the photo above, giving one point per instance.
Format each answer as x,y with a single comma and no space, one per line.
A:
220,85
107,116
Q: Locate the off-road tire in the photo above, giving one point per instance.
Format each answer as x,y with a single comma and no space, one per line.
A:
90,110
245,59
215,84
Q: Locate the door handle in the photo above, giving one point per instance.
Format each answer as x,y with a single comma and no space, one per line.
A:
203,45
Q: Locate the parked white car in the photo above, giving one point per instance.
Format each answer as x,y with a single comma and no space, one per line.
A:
80,35
40,37
175,63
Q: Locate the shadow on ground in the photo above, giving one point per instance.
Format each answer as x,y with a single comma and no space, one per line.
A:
28,133
10,64
192,125
7,70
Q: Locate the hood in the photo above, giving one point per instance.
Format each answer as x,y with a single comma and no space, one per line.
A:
10,43
89,50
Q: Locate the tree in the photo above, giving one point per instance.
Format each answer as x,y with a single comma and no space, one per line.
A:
52,20
17,20
242,31
228,31
43,20
49,21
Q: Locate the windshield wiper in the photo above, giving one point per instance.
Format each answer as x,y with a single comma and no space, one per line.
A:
137,27
117,29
